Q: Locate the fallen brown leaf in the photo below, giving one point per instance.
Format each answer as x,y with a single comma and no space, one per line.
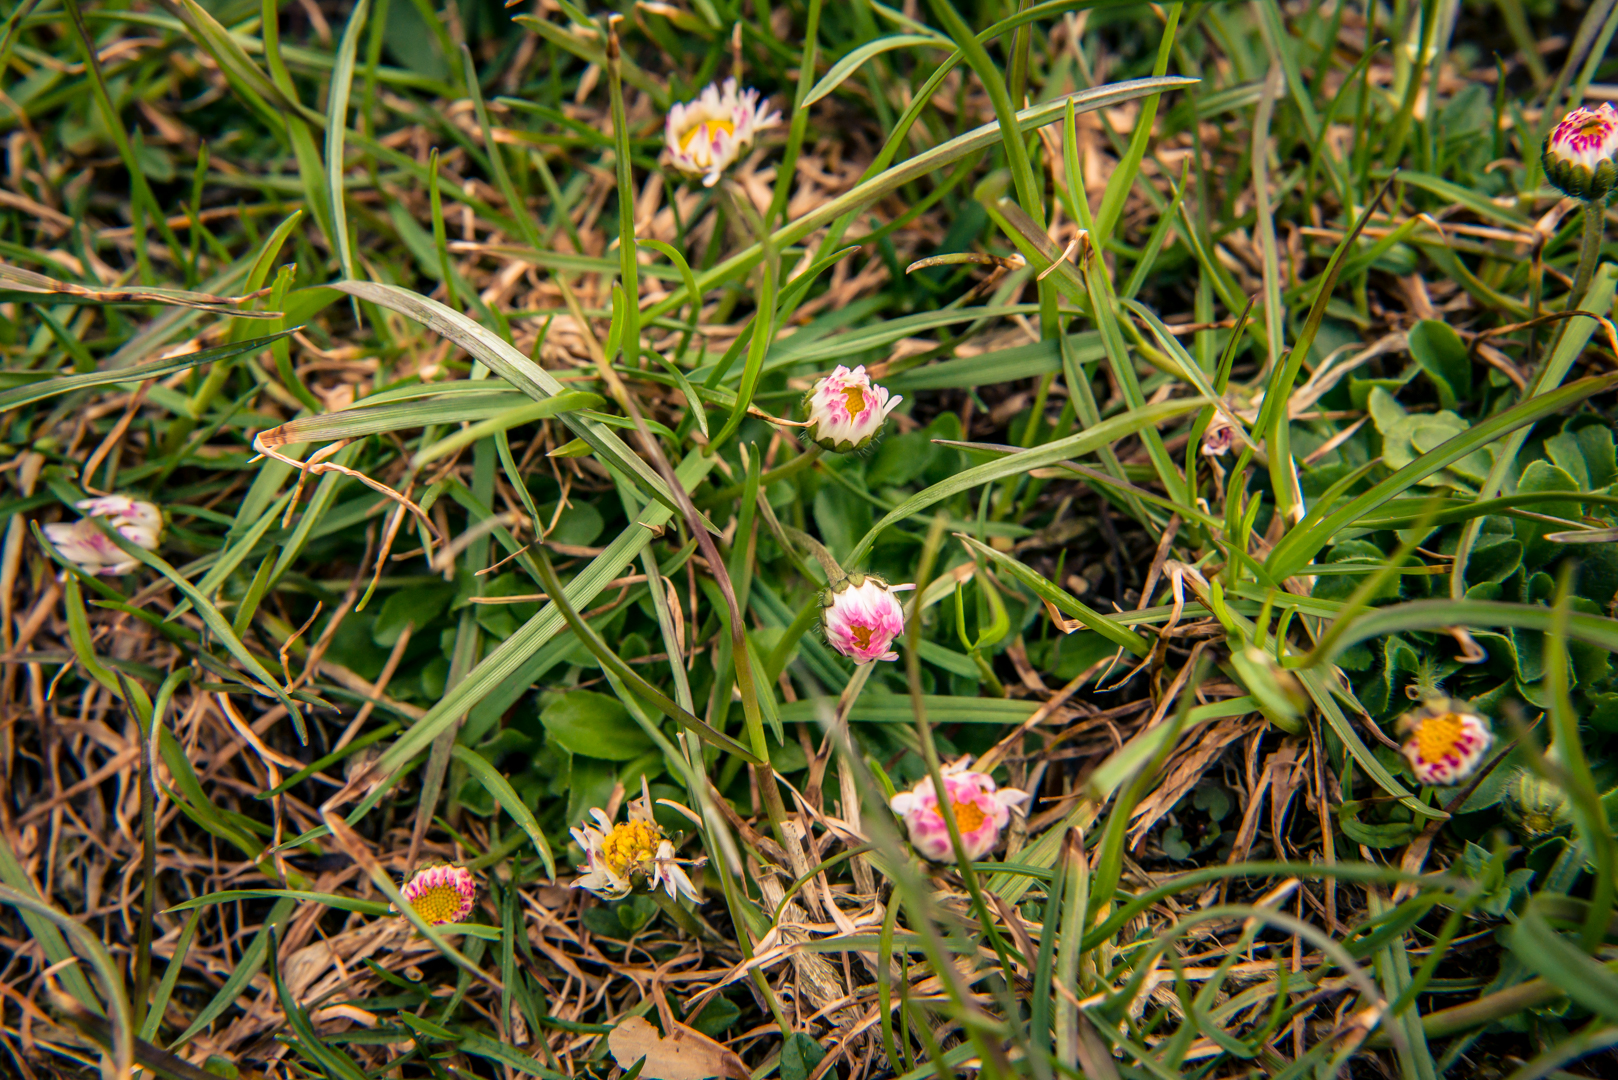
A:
684,1054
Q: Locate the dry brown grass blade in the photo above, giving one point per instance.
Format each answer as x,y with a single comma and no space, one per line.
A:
16,279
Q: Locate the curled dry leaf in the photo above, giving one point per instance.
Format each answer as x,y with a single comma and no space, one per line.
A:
684,1054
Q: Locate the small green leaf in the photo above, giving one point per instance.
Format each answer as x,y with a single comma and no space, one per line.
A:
416,606
799,1056
1442,355
716,1017
597,726
1540,477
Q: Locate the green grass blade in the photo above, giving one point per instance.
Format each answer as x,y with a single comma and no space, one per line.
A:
512,653
504,360
1086,442
1048,590
500,789
342,81
50,387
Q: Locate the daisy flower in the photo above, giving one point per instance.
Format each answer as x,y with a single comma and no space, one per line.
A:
981,811
441,894
84,544
617,854
705,136
861,617
1444,741
846,410
1581,153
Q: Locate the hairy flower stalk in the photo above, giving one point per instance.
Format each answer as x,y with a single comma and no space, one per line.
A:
981,810
84,544
1580,156
441,894
1444,741
704,137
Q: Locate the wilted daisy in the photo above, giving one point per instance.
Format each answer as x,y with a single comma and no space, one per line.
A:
846,410
83,543
981,811
616,855
861,617
441,894
706,135
1581,153
1219,436
1444,741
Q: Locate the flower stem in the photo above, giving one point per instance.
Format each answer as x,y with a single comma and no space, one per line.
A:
1595,219
683,918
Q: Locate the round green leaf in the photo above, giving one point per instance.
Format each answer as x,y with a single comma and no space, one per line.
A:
594,725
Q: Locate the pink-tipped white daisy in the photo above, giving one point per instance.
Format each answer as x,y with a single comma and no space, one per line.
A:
861,617
846,410
1581,153
704,137
981,811
441,894
617,854
83,543
1444,741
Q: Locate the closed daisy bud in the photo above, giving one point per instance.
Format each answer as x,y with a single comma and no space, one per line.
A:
861,617
617,855
1281,698
441,894
981,811
706,135
1538,805
1581,153
83,543
1444,741
846,410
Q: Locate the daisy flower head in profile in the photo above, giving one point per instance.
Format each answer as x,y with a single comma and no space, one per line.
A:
84,544
1444,740
1581,153
981,809
861,616
441,894
705,137
636,849
846,410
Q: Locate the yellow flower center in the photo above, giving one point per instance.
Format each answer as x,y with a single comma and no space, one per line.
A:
1437,735
968,815
438,904
862,636
707,129
1593,126
629,845
853,400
